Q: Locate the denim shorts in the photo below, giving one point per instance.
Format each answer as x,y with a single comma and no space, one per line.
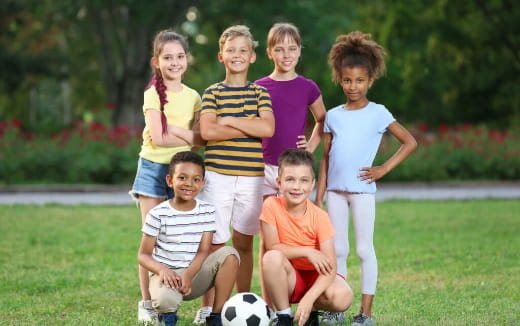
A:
150,180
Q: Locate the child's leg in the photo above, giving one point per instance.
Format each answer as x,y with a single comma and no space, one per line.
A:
337,297
337,207
145,205
363,216
219,270
245,222
243,243
223,287
164,300
279,278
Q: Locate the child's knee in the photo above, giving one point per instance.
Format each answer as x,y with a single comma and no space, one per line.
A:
272,258
165,300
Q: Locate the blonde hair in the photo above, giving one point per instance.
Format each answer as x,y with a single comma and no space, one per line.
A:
280,31
235,31
356,49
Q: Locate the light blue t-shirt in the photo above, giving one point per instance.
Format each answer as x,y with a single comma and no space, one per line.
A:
356,135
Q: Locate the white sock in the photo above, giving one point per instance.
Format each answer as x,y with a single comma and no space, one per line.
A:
287,311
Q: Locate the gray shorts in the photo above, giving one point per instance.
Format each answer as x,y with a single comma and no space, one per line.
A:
166,300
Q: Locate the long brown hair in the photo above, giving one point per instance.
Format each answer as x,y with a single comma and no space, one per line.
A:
160,39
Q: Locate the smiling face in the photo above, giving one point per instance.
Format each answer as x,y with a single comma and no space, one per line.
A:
186,181
296,183
355,82
237,54
172,61
285,55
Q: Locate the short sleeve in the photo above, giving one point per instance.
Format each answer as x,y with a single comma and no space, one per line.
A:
326,124
198,103
324,226
151,100
264,99
268,215
209,103
313,93
385,118
152,225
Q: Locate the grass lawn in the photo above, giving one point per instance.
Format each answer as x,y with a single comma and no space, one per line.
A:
440,263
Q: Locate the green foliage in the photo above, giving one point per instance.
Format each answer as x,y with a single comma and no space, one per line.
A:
93,153
448,62
90,154
462,153
440,263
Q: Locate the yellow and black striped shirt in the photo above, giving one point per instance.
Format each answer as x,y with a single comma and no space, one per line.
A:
237,156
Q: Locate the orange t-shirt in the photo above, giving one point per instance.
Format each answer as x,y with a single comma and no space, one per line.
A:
307,231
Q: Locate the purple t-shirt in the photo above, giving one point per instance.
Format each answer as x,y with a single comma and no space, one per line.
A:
290,102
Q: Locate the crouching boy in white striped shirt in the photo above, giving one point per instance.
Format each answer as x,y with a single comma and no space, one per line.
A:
176,244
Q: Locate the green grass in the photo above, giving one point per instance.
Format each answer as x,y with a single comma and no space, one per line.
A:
440,263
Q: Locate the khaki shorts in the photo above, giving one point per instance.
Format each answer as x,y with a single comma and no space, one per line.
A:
166,300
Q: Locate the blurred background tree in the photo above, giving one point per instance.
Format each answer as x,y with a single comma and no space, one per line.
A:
448,62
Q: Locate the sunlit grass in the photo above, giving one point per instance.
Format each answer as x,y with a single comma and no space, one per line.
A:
440,263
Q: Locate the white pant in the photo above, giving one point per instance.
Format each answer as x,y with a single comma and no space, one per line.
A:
363,216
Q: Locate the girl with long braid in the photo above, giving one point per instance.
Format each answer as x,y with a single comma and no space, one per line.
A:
171,111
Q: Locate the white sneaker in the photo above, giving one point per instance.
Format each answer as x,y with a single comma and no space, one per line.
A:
202,313
332,318
145,312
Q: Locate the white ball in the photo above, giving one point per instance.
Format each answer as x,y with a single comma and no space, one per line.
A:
245,309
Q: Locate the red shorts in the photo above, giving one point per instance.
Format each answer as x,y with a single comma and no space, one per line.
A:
304,281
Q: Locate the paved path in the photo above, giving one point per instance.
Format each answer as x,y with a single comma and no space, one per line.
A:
117,195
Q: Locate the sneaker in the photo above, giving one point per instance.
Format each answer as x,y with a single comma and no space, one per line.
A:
284,320
145,312
167,319
214,320
202,314
333,318
362,320
313,319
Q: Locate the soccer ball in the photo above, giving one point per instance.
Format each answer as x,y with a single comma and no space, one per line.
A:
245,309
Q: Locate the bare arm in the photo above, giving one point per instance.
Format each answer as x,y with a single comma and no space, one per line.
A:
192,136
408,145
210,129
322,283
318,112
324,168
153,121
167,276
260,127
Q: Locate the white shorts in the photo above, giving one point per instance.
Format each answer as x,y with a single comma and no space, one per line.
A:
237,201
270,186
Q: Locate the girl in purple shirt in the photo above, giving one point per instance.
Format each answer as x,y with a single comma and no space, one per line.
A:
292,97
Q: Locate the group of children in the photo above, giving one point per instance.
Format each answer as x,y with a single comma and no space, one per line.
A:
257,176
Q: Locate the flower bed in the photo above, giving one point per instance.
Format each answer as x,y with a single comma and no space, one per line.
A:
94,153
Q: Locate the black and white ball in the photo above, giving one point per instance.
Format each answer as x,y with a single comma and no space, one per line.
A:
245,309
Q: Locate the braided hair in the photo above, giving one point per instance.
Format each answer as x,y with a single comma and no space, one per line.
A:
160,39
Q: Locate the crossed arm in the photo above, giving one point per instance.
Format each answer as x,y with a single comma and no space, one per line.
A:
176,136
224,128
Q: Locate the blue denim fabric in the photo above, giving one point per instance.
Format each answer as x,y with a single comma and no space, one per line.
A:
150,180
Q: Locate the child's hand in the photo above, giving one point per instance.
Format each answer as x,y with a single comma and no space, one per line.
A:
301,143
372,174
321,262
303,311
169,278
185,288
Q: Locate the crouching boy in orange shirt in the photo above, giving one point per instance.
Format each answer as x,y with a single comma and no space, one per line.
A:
299,264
